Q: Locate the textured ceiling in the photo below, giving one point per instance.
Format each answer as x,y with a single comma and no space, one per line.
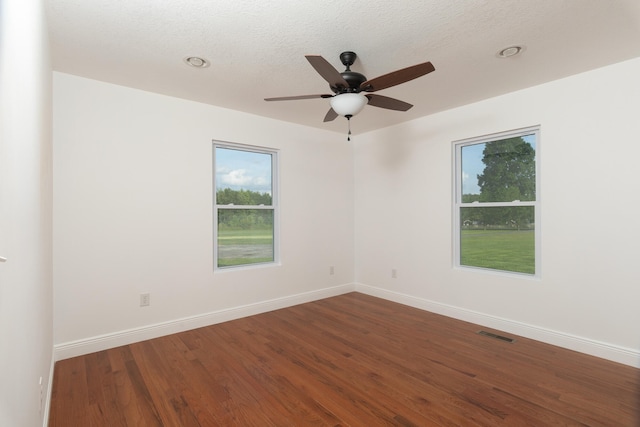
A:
257,48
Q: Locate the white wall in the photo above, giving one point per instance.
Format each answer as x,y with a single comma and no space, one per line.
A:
588,295
25,214
133,214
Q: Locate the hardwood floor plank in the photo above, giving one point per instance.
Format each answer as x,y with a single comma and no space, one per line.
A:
163,376
102,386
351,360
281,396
406,362
70,393
359,365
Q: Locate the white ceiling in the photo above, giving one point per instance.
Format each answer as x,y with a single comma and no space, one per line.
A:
257,48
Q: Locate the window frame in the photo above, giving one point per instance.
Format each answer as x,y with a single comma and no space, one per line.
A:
458,205
275,154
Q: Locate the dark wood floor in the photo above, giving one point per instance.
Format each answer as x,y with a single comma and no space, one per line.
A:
352,360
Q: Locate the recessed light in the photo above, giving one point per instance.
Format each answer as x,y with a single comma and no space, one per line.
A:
196,62
510,51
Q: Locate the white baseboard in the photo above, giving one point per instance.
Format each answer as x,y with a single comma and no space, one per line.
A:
594,348
116,339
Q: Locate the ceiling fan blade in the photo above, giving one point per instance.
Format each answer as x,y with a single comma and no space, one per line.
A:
292,98
397,77
331,115
388,103
327,71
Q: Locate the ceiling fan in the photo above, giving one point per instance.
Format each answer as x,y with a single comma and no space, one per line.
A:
348,87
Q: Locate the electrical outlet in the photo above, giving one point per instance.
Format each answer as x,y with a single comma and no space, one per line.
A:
394,273
331,270
145,300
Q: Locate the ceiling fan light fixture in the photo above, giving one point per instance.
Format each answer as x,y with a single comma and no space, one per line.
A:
348,104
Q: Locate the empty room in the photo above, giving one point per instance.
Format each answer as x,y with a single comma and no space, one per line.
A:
243,213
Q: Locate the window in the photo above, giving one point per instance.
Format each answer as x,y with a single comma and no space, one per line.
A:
496,203
245,205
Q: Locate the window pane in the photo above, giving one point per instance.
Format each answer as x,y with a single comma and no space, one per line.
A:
243,177
245,236
500,238
499,171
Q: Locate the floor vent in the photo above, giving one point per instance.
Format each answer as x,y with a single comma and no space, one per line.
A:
496,336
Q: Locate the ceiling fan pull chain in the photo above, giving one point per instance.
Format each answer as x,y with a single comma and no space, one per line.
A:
349,127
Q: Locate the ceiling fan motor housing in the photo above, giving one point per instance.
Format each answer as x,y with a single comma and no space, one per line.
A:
353,78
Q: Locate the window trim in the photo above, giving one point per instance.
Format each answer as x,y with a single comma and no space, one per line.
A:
458,204
275,155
